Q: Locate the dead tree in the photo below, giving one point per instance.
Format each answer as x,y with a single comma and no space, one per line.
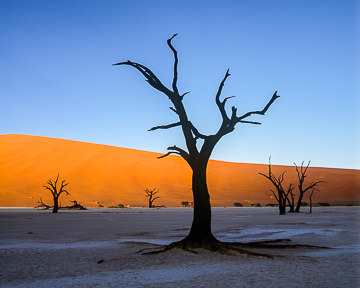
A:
197,153
150,194
76,206
301,173
280,195
56,191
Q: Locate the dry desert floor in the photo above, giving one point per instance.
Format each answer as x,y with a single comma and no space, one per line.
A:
41,249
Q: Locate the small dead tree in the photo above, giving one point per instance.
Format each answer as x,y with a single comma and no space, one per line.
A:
280,195
185,203
56,190
301,173
150,194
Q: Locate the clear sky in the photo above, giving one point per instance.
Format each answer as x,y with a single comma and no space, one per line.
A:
57,78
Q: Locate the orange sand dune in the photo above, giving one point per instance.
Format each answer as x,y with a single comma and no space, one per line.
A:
112,175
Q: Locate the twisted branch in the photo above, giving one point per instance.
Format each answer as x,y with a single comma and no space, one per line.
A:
177,151
263,111
221,104
165,126
174,83
149,75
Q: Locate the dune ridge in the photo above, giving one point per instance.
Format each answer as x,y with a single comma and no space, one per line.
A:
112,175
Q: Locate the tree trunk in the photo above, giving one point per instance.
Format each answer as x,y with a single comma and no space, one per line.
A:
291,204
282,210
291,207
297,209
56,205
200,233
282,205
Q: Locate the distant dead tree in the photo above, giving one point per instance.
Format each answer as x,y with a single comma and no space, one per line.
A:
150,193
199,148
56,191
280,194
185,203
76,205
301,173
237,204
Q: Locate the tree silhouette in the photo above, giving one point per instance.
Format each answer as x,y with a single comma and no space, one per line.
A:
199,148
185,203
150,194
56,191
301,173
280,195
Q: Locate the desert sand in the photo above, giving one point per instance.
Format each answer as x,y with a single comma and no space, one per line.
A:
41,249
113,175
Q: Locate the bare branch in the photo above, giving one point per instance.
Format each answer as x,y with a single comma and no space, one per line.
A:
167,154
312,185
307,166
178,151
302,172
50,189
290,189
181,152
182,95
266,176
250,122
298,172
165,126
174,110
65,191
42,204
196,132
277,199
63,184
57,178
263,111
149,75
227,98
152,191
52,185
174,83
221,105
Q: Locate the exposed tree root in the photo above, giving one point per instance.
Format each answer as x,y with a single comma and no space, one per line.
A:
226,248
229,248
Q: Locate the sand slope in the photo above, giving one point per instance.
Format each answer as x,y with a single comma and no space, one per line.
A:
114,175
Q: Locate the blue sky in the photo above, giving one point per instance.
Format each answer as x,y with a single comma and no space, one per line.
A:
56,77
